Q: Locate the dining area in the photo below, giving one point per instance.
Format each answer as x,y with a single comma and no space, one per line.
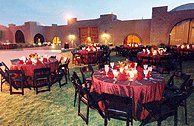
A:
34,71
124,92
129,91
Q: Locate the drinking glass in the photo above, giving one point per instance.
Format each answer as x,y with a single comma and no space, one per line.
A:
121,69
115,73
106,69
145,73
131,75
145,66
112,64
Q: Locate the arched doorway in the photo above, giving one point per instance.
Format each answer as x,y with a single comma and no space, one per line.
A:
38,38
182,33
19,37
132,39
56,40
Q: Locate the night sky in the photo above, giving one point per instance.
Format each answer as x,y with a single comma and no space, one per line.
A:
48,12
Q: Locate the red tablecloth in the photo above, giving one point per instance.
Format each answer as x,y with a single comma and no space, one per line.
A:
29,68
141,55
141,91
89,56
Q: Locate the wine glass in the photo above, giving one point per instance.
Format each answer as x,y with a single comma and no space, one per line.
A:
131,75
112,64
115,73
135,65
145,66
145,73
106,69
121,69
150,70
126,67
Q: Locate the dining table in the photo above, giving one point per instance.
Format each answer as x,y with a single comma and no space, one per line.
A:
29,67
141,90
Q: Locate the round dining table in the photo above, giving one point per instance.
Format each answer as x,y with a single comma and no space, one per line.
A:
141,55
89,57
28,68
141,90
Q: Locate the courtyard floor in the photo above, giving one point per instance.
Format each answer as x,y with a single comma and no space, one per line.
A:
55,108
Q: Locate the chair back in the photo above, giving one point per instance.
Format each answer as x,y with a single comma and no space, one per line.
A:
186,79
86,71
75,80
123,110
4,72
16,78
2,64
42,73
14,61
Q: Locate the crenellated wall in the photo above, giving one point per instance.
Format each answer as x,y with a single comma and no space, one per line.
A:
150,31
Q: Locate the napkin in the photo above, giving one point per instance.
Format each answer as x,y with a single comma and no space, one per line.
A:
29,62
139,73
122,76
44,60
21,62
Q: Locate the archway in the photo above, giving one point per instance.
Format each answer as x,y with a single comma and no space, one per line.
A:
19,37
38,38
132,39
56,40
182,33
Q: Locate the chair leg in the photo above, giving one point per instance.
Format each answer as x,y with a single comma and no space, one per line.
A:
22,91
176,117
75,98
1,86
79,105
10,90
185,105
87,116
158,123
105,121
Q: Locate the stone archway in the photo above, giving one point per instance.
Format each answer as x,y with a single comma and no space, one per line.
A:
132,39
19,37
182,33
38,38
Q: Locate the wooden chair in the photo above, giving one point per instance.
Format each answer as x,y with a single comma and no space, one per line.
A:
76,84
41,78
17,80
185,87
92,58
117,107
14,61
87,72
161,110
61,72
91,100
4,74
164,65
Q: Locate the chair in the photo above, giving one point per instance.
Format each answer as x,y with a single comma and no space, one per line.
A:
14,61
91,100
87,72
41,78
4,74
17,80
121,111
76,83
164,65
92,58
53,57
161,110
173,91
61,72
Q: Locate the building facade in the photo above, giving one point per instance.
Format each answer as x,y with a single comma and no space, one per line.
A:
168,27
